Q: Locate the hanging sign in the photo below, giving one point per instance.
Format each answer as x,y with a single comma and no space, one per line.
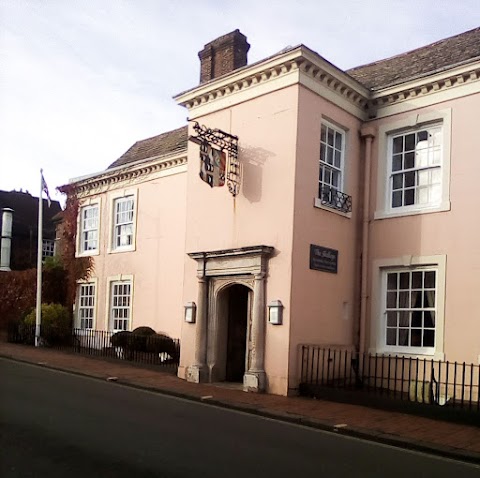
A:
323,259
218,157
212,165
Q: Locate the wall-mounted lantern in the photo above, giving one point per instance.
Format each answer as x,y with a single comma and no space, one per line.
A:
275,312
190,312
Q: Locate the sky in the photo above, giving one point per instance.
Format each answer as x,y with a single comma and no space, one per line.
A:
82,80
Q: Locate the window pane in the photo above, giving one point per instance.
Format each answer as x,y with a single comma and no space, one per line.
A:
429,338
330,135
323,134
416,299
397,199
404,319
409,162
397,144
338,140
409,179
410,142
417,280
392,281
391,300
429,319
417,319
429,299
403,300
397,181
391,319
338,158
397,163
403,336
429,279
416,338
322,152
391,336
404,280
409,197
421,136
330,155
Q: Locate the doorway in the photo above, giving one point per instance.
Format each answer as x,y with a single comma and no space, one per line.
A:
237,321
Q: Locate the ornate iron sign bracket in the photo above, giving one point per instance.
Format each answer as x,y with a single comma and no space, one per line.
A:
226,142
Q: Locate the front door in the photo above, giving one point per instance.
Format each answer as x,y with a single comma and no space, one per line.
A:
236,332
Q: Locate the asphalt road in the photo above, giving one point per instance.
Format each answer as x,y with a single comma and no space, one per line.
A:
54,424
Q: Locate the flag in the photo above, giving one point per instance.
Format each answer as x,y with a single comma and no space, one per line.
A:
45,190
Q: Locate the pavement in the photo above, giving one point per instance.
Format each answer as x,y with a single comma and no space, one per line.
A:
452,440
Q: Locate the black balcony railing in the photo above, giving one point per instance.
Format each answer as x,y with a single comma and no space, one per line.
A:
157,349
421,381
335,199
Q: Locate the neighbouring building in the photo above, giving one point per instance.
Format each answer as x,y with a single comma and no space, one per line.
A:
302,204
19,226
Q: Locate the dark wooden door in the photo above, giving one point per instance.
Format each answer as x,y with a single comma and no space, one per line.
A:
237,333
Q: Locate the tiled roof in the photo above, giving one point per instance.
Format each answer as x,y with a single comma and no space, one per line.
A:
164,143
417,63
426,60
25,213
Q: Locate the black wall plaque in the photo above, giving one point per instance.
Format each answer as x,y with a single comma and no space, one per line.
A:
323,259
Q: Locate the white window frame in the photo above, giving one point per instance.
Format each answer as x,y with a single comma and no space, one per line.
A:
89,203
342,169
111,282
386,133
45,248
379,292
78,307
114,198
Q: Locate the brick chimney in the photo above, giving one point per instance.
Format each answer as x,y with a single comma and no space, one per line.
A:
223,55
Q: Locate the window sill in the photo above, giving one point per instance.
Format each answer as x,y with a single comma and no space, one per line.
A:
410,355
412,212
88,253
119,250
318,204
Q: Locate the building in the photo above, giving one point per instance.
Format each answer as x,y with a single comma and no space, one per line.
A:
312,205
20,252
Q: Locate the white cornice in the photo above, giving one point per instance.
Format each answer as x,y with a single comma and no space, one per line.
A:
451,84
299,65
141,171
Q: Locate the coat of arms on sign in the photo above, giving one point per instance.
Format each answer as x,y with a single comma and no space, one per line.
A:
212,165
218,157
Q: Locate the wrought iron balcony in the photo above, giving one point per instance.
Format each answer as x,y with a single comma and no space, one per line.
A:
335,199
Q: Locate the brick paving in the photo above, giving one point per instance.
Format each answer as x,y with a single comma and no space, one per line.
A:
450,439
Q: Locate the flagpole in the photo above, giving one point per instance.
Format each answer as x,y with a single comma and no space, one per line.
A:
38,320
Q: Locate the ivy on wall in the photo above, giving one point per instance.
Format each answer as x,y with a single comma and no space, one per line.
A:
60,275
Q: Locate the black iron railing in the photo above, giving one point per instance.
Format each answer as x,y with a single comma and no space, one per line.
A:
425,381
156,349
335,199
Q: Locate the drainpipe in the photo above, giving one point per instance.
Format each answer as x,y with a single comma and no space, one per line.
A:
6,241
367,134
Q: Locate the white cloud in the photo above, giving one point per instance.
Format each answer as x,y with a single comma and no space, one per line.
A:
83,80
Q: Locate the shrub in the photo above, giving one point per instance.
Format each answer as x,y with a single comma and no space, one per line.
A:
56,324
143,331
145,339
160,343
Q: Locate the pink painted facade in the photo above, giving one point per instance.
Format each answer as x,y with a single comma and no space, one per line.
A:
407,255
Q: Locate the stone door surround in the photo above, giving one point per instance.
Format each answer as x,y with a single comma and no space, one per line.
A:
253,261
